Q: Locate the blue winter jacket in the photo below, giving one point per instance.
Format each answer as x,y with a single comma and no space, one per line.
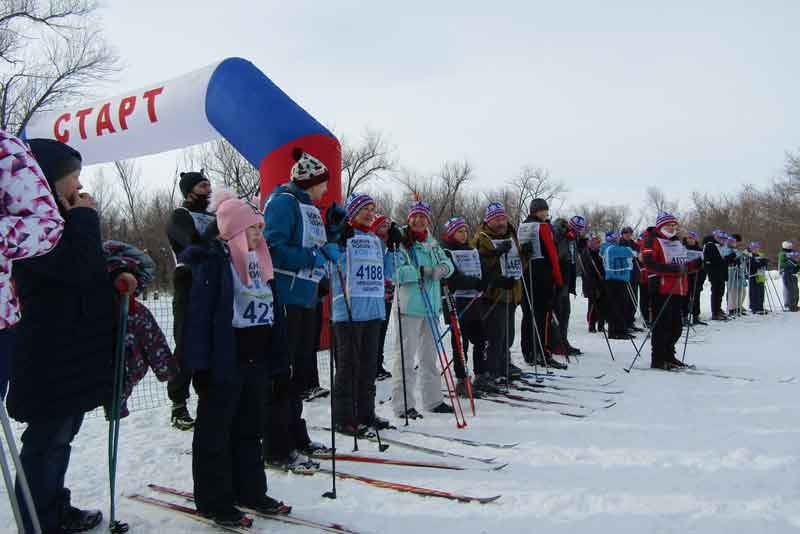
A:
427,254
283,231
362,308
209,341
617,261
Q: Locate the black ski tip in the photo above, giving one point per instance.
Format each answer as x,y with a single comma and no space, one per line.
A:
118,527
383,447
487,500
626,370
329,495
499,467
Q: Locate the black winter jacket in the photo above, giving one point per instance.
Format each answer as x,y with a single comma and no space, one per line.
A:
715,265
62,363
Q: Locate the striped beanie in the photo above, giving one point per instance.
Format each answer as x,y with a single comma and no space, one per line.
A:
612,237
665,218
577,224
755,245
420,207
308,171
453,225
720,235
355,202
379,222
692,235
494,210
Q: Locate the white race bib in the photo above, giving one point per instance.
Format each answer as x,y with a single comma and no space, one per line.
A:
201,221
252,305
694,254
674,251
313,236
364,267
529,233
510,262
469,263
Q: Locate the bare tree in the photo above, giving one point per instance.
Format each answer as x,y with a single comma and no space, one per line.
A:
224,165
601,218
133,195
792,167
366,162
533,182
50,57
444,191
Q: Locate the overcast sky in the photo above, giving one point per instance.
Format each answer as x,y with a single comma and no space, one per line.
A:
609,96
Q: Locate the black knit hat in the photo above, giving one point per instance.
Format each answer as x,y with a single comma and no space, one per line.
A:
538,204
189,180
56,159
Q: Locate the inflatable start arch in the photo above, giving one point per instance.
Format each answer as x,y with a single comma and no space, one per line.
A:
230,99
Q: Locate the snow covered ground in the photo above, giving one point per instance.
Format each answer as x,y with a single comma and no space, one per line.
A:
678,453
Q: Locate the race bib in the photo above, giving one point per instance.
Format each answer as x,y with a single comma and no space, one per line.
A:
252,304
365,267
510,262
694,255
529,233
201,221
313,236
674,251
469,263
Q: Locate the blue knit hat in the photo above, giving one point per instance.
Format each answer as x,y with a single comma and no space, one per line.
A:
577,224
453,225
494,210
420,207
355,202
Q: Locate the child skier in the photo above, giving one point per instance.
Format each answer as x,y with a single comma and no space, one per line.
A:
466,285
358,313
421,265
788,265
667,264
235,339
757,278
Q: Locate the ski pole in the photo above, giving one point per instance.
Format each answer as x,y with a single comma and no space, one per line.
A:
331,358
688,323
537,336
433,325
115,526
400,334
649,333
596,270
456,334
21,478
461,314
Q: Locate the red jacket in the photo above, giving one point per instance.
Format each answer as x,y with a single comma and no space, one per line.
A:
667,264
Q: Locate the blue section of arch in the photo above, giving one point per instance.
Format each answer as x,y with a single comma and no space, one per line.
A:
252,113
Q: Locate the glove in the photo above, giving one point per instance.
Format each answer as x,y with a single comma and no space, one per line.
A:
280,387
335,215
502,248
526,248
436,272
319,259
331,251
394,236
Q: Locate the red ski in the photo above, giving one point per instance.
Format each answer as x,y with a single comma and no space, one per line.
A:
404,463
188,512
290,519
417,490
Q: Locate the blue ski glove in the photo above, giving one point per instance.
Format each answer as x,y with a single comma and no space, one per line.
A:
331,251
319,259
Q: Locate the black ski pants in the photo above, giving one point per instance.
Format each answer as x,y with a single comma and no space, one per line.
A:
644,302
756,295
616,307
356,368
178,387
595,315
630,303
498,332
286,428
532,341
227,465
472,331
667,329
384,328
717,292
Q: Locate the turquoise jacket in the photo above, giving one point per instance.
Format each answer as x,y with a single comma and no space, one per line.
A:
617,261
362,308
427,254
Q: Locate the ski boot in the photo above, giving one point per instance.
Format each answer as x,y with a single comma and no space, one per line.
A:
180,417
315,448
268,506
443,408
232,518
411,413
383,374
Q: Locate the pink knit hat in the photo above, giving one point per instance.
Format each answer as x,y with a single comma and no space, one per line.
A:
234,216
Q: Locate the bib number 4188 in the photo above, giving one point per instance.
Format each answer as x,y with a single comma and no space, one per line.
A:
370,272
